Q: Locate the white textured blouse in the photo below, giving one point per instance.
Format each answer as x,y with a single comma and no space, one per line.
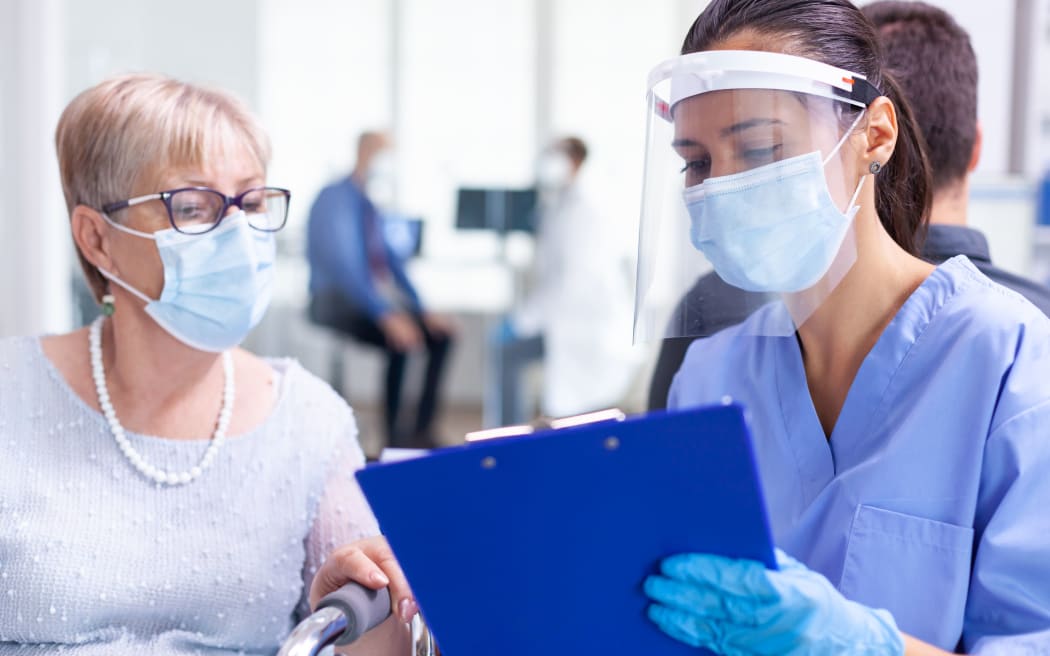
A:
97,559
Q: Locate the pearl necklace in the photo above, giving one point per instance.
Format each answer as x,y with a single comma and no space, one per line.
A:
137,461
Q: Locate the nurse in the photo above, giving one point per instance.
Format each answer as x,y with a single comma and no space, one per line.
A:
900,411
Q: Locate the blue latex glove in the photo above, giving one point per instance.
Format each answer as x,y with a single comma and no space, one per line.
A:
504,332
738,607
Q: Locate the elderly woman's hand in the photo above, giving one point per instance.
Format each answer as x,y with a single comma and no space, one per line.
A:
371,563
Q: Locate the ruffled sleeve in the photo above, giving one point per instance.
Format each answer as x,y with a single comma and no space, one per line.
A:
342,514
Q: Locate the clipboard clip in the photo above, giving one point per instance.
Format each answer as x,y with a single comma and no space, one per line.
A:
547,423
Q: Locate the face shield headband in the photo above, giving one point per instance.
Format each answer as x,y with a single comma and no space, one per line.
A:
723,70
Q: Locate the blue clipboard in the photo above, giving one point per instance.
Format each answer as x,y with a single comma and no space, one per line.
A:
540,544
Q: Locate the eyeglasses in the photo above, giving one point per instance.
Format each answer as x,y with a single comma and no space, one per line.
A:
196,210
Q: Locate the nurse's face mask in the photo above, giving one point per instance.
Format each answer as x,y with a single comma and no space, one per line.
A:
218,272
381,180
749,194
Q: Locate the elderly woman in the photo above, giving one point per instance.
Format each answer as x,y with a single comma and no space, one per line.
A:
162,490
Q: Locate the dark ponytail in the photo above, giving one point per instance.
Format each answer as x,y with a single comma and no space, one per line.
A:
904,187
836,33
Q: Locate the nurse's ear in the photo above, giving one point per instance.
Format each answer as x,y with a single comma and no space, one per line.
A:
880,133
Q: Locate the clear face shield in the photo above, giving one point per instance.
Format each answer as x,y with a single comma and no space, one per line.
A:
750,192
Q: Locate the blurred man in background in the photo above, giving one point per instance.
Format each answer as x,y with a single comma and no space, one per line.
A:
358,286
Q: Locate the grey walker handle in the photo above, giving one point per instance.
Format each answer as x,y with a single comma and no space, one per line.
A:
364,608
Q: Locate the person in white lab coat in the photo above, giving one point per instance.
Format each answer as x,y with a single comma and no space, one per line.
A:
577,314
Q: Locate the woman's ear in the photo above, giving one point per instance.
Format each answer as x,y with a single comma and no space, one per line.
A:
880,132
91,236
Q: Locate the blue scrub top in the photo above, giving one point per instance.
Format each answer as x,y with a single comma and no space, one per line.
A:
932,497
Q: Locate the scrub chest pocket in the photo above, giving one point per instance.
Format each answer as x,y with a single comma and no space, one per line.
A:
922,569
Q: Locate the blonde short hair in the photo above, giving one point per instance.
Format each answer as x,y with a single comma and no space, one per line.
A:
126,131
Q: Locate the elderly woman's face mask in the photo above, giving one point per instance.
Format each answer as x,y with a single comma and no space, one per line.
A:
217,285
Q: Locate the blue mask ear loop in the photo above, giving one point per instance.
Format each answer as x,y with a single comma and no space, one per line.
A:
851,207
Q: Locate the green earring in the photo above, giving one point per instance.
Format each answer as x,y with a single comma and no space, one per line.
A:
108,306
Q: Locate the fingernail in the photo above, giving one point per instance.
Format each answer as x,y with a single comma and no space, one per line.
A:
378,578
407,608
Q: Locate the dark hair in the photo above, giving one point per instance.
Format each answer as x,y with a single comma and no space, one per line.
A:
575,148
836,33
944,97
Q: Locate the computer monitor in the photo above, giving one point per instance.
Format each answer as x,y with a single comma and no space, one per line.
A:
496,209
404,235
521,213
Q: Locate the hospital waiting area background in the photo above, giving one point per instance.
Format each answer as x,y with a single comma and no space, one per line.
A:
472,92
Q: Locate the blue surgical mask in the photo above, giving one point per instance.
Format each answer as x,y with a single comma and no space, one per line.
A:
774,228
217,285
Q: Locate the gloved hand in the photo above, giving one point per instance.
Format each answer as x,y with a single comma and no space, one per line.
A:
738,607
504,332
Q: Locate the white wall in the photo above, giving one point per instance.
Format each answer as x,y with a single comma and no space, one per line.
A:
466,113
323,74
200,41
34,242
1037,156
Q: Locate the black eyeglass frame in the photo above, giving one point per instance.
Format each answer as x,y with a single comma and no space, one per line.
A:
227,203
